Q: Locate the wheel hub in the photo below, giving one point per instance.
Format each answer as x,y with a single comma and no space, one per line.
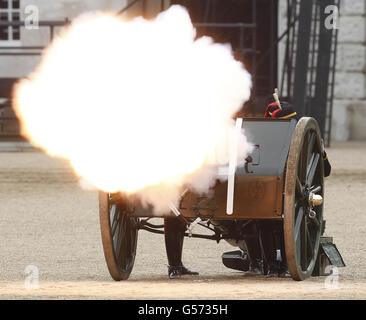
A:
311,200
315,199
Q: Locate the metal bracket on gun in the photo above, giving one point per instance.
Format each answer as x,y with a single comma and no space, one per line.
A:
190,226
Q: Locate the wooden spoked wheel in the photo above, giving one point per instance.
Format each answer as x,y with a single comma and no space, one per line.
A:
303,199
119,236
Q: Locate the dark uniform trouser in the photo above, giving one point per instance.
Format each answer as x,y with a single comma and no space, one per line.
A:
253,245
174,235
271,238
263,240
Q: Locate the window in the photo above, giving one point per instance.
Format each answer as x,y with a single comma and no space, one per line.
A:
9,11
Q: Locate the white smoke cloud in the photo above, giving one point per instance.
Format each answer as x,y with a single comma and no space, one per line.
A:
140,107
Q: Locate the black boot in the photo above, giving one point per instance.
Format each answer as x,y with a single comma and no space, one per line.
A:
188,271
254,250
268,244
178,271
174,272
174,237
284,272
184,270
255,266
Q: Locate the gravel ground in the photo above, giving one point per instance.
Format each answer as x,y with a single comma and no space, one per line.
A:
49,222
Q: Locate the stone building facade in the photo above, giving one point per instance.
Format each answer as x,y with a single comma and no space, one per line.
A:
349,109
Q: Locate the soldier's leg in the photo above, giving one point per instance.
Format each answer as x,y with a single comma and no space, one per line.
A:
254,249
269,246
279,233
174,238
273,244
